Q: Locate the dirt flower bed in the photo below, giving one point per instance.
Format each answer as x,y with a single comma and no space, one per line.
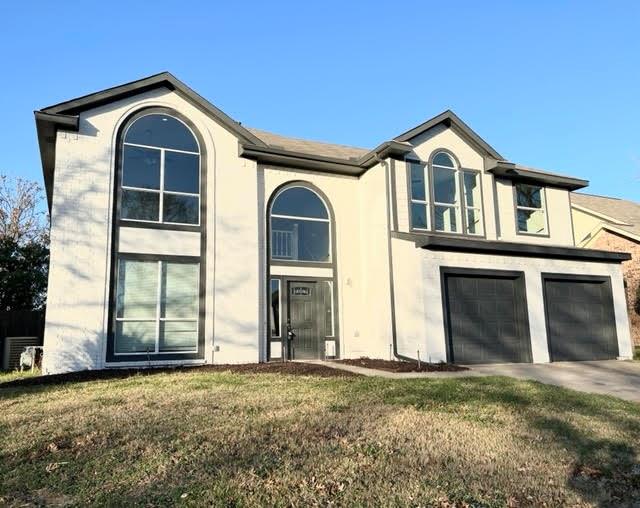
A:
291,368
400,366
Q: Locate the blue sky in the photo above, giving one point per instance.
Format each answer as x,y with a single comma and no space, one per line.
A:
550,84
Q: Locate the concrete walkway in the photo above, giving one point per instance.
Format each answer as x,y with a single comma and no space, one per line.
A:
610,377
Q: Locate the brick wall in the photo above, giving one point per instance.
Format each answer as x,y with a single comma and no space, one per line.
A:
631,269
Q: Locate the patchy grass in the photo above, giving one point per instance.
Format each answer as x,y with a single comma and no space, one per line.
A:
12,375
220,438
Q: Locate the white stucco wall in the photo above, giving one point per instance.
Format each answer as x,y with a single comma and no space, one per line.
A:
419,312
77,310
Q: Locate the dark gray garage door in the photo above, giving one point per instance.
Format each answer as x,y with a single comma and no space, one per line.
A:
485,316
580,320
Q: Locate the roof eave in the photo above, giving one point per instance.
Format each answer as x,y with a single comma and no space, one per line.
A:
510,171
47,126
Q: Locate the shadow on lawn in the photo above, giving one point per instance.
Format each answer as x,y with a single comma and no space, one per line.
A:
605,470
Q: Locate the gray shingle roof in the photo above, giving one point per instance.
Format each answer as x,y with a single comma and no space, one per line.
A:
309,147
620,209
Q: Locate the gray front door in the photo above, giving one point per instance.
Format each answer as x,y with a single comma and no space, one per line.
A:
304,319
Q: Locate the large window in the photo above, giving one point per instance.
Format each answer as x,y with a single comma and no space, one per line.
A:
436,191
300,227
157,307
160,172
530,209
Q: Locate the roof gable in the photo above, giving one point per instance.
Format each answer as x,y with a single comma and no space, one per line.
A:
622,214
450,119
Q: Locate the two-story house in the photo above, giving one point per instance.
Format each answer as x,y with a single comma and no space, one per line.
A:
179,236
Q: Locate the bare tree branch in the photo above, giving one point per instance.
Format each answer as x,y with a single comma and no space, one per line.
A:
21,218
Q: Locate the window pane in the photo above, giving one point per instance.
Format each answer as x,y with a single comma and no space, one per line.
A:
444,185
141,167
474,222
531,221
135,337
417,181
299,240
137,289
419,216
140,205
178,336
328,308
442,159
529,195
161,131
180,293
472,189
445,219
181,209
299,202
275,308
181,172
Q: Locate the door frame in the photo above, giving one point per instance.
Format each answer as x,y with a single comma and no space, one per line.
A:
285,280
603,279
521,295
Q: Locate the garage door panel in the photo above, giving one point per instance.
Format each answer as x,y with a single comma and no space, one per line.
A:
580,318
486,316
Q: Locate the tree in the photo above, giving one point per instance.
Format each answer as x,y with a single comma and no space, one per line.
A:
24,245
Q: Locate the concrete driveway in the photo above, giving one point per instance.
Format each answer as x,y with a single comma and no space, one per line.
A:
609,377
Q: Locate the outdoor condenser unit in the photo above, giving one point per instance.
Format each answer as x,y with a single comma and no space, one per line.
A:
13,348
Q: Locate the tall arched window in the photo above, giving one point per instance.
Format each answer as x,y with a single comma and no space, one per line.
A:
300,226
445,193
160,172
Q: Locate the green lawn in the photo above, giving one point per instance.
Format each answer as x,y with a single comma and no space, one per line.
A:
202,438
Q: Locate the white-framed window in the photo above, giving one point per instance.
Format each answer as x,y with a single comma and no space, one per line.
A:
160,179
300,226
444,197
446,205
531,213
472,202
420,211
157,307
275,296
328,308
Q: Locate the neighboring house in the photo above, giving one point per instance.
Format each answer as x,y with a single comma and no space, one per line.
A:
601,222
179,236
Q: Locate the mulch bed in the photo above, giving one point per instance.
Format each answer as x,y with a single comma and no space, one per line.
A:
290,368
401,366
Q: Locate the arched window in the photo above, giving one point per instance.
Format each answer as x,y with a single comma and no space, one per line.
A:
300,226
445,193
445,197
160,172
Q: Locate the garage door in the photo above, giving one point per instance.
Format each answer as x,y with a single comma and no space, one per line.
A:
485,316
580,319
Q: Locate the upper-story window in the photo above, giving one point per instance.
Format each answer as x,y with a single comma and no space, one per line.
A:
160,172
444,197
300,226
530,209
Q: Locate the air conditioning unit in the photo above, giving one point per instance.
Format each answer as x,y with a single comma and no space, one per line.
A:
13,348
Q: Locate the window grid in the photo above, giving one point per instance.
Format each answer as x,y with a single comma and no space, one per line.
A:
460,209
541,209
158,320
467,207
161,192
421,202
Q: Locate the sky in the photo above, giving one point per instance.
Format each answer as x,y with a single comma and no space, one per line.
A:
553,85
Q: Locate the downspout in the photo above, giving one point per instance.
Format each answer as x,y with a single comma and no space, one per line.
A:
390,229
